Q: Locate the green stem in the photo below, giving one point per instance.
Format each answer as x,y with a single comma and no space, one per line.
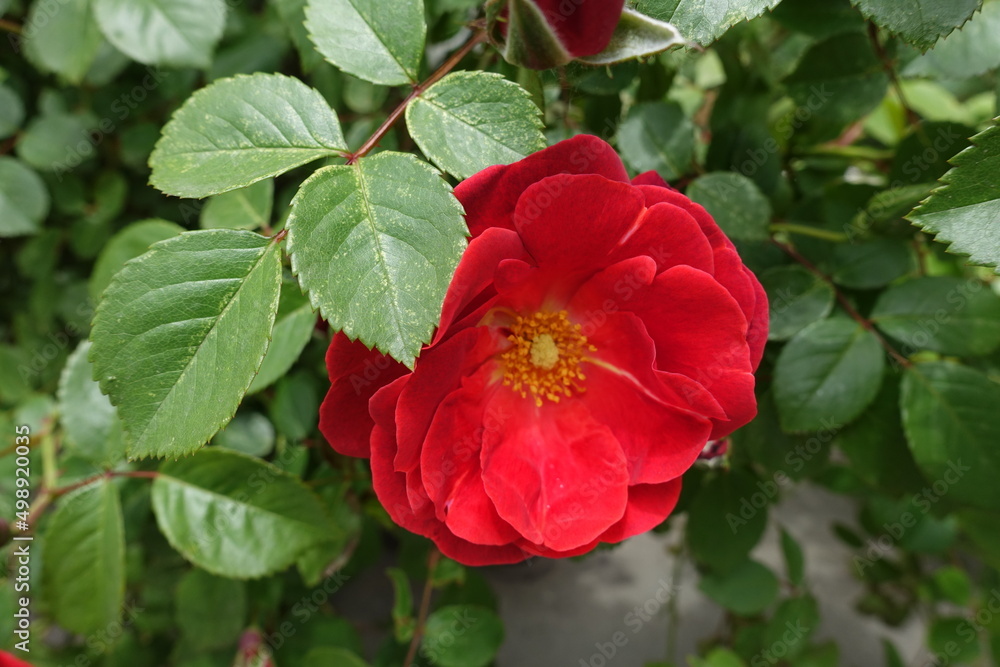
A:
806,230
50,468
859,152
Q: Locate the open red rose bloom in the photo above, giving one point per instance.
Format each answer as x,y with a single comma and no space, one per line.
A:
597,333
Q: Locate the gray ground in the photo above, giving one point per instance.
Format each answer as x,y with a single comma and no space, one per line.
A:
560,613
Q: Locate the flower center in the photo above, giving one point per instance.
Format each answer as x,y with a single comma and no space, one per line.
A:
545,358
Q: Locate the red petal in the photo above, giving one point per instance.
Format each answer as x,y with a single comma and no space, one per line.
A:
356,373
491,195
473,280
700,331
658,431
671,237
451,472
648,506
390,487
575,222
729,268
438,372
584,27
759,321
651,178
554,473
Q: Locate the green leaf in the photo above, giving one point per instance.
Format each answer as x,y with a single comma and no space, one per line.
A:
63,40
246,208
11,112
90,423
251,433
964,212
127,244
794,621
294,409
342,531
736,203
210,611
919,22
402,607
24,201
871,264
84,565
827,375
235,516
951,583
796,297
375,245
293,13
956,637
381,42
326,656
949,415
176,33
717,657
292,330
704,22
794,560
468,121
818,20
180,334
965,53
747,589
876,445
235,132
462,636
52,142
731,506
838,81
635,36
942,313
658,136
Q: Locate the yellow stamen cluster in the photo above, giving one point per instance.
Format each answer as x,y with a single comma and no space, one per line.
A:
546,356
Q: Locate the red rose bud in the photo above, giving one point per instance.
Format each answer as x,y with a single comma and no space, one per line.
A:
540,34
597,334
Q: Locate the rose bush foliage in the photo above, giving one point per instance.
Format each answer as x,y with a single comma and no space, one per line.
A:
597,334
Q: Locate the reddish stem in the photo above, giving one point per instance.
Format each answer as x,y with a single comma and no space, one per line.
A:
477,38
425,607
846,304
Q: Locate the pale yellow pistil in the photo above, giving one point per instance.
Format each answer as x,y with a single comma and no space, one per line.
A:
544,352
545,358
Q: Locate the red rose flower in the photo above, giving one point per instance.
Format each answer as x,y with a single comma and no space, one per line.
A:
596,335
545,33
8,660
